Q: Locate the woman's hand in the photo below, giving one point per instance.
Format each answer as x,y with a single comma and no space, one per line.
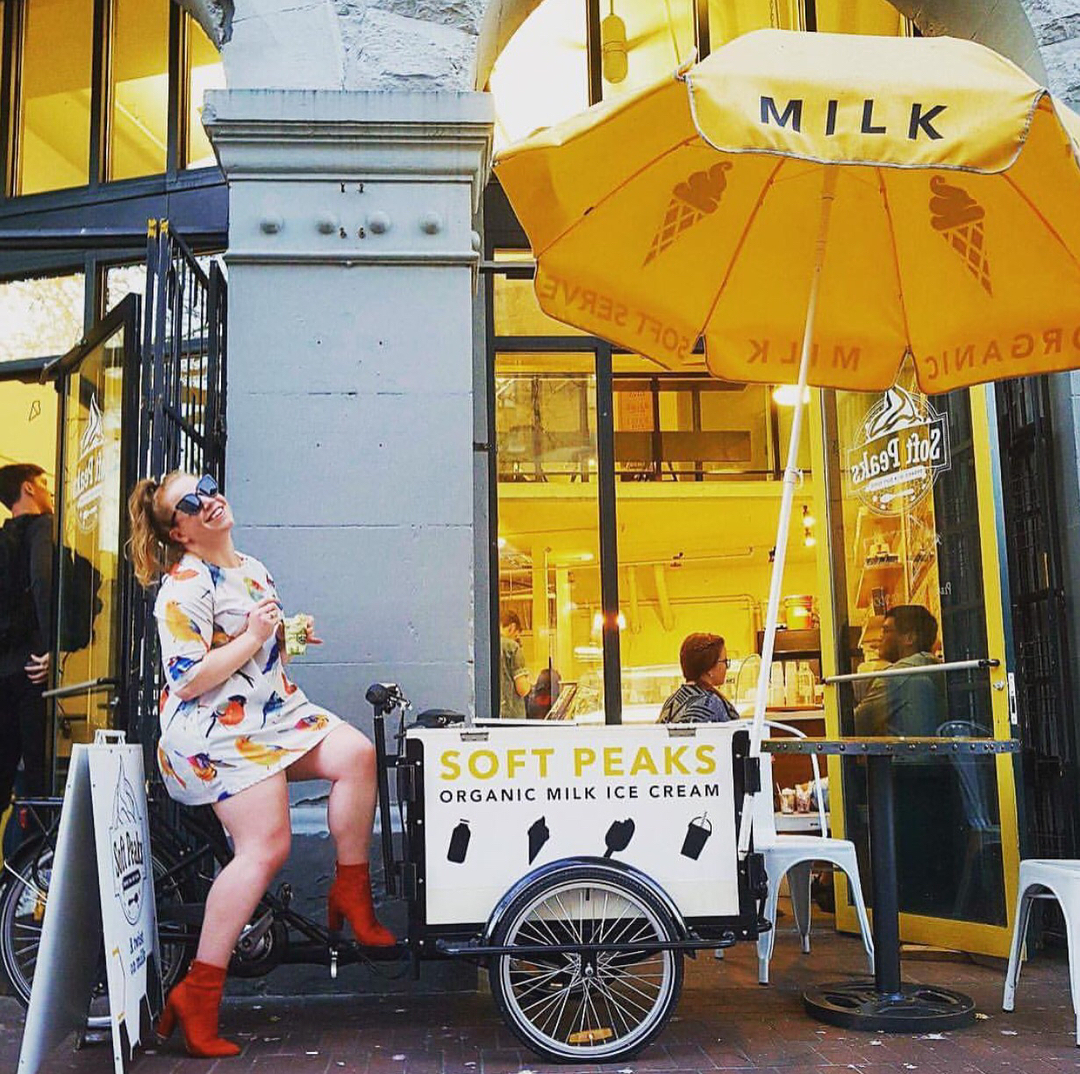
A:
311,638
264,618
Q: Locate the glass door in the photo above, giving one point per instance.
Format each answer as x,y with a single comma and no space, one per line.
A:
916,581
97,410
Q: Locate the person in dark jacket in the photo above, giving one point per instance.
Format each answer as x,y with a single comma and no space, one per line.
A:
704,662
26,641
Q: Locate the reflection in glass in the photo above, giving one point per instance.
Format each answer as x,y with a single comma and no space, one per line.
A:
907,554
541,75
138,88
54,105
124,280
90,540
41,317
549,545
205,71
517,312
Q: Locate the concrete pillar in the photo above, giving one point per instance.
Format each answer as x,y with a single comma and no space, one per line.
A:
352,268
352,375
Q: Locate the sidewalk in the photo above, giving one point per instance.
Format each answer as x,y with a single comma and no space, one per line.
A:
725,1021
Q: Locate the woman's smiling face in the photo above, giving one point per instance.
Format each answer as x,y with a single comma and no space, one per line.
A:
213,519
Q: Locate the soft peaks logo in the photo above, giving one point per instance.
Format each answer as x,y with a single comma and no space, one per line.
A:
691,201
901,448
959,219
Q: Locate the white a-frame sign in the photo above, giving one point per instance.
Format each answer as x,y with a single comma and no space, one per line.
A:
100,906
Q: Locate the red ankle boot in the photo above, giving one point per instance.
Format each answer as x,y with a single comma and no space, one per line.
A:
194,1003
350,897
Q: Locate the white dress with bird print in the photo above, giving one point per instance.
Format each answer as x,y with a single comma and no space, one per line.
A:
256,722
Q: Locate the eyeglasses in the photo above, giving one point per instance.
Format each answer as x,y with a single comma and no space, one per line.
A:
191,504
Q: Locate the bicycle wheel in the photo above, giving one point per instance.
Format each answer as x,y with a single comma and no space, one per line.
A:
22,913
586,1007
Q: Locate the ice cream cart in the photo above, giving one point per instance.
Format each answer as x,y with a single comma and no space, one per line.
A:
581,864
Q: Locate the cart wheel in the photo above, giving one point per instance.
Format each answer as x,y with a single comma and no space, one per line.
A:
586,1006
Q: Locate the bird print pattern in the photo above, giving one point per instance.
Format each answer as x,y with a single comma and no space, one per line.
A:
250,726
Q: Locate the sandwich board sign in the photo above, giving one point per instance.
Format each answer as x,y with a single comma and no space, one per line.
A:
100,908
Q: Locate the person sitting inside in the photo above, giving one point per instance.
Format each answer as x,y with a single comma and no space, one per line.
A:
704,666
543,694
906,704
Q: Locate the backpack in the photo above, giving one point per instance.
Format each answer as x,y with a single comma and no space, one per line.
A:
17,617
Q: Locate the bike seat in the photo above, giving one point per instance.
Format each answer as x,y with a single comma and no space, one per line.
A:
439,718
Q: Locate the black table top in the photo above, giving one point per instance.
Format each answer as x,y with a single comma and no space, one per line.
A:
893,747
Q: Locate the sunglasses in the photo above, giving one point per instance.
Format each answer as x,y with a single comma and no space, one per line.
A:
191,504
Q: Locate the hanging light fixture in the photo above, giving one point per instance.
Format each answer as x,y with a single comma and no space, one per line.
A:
614,62
808,520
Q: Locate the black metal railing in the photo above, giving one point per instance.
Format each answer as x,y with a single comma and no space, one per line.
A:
181,425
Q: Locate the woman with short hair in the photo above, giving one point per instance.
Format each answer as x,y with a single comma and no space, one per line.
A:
704,662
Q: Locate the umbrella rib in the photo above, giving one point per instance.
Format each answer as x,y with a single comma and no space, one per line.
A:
742,241
895,253
1042,219
615,190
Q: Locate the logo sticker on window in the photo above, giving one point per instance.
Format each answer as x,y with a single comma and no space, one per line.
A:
902,447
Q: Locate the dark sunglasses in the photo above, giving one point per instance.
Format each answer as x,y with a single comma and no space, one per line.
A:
191,504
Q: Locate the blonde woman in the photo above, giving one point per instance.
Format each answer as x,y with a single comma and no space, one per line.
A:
234,730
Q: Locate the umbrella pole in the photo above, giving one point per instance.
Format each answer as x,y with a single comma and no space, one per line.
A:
787,499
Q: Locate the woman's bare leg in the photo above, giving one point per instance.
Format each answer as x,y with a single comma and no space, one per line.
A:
258,820
346,758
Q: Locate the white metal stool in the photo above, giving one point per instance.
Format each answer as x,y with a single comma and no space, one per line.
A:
1047,879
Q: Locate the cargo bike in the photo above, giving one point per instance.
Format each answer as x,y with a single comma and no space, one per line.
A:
581,864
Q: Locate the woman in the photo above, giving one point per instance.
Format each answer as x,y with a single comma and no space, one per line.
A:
234,730
704,666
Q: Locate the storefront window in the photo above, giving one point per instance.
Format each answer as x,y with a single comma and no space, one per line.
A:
866,17
205,71
907,558
641,41
517,313
138,89
123,280
549,545
697,509
729,19
41,317
54,103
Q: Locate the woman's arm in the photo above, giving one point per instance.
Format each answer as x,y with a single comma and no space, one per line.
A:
218,664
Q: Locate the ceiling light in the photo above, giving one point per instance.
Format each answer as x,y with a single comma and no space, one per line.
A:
613,48
788,394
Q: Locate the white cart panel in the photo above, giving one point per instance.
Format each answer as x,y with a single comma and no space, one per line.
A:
502,801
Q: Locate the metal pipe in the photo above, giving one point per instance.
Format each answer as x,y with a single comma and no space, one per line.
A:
920,669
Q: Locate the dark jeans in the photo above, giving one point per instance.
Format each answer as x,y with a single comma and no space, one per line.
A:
22,734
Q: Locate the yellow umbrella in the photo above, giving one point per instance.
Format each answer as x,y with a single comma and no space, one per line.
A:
816,207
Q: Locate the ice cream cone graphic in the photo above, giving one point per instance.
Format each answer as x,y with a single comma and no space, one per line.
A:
690,203
959,218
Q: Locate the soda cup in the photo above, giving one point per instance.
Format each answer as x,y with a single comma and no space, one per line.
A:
697,835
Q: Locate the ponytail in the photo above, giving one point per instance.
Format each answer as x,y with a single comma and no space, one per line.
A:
150,548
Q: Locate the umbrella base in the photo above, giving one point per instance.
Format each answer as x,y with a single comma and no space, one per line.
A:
914,1009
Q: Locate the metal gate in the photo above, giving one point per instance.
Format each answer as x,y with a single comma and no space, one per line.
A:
1039,621
181,425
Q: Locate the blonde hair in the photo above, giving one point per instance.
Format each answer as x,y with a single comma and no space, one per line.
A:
150,548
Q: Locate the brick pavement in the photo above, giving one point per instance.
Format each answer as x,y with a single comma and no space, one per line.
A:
725,1021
